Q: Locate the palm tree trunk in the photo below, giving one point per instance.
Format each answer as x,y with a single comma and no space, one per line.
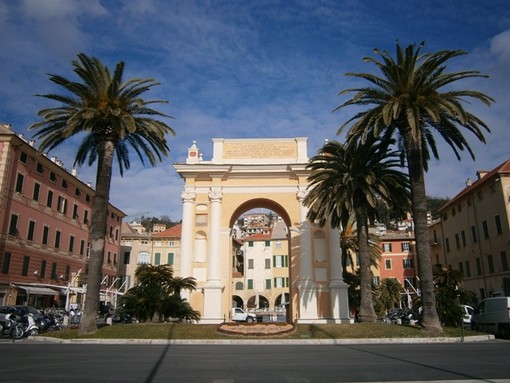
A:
88,322
430,319
367,312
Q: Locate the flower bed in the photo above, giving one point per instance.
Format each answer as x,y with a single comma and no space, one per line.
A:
255,329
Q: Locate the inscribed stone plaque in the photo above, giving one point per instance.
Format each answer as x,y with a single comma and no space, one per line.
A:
259,149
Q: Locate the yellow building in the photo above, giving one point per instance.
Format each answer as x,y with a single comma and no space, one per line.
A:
245,174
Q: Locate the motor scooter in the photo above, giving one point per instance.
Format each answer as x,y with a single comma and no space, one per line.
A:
9,327
29,326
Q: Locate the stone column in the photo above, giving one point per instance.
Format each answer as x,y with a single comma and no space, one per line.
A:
213,287
186,261
306,287
337,287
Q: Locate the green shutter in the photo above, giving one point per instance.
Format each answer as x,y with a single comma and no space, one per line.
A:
157,258
170,259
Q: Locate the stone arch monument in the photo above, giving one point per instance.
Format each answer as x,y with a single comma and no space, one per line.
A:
254,173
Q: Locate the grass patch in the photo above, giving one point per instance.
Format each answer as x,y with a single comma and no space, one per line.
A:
209,331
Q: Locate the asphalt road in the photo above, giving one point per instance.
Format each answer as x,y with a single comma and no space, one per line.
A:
482,361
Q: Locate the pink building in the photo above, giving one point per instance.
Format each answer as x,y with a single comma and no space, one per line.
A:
45,213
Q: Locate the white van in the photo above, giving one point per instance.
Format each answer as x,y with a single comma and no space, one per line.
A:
492,315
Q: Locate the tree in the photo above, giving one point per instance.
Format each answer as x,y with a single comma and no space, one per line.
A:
349,179
113,117
177,284
157,295
390,293
447,282
409,101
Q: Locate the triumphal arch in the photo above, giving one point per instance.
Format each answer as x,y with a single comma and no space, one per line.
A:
244,174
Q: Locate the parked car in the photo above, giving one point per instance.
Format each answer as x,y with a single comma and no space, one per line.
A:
492,315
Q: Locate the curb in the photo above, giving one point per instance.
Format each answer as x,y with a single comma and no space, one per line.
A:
264,342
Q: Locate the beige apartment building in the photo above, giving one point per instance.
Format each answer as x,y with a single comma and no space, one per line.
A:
160,247
45,216
474,233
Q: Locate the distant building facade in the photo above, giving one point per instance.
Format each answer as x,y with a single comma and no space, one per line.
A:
45,216
476,233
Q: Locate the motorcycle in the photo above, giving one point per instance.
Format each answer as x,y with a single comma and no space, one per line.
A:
10,327
29,326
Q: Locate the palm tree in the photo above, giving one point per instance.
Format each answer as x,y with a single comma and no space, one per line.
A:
177,284
153,283
410,101
390,293
351,179
113,117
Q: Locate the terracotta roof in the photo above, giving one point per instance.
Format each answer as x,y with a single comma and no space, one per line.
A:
174,231
503,168
258,237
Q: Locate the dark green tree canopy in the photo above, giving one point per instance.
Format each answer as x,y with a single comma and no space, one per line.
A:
106,108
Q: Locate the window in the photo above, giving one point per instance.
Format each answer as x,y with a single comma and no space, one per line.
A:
280,261
23,157
6,263
109,259
43,268
239,285
407,263
77,192
19,183
64,183
170,259
267,243
499,228
25,266
278,244
53,271
387,264
49,199
447,245
31,230
250,264
387,247
71,244
37,191
281,282
406,246
82,246
478,266
267,263
457,240
485,229
376,280
143,258
268,284
46,233
490,262
250,284
116,234
157,258
62,205
53,176
463,236
504,261
156,243
13,225
86,217
57,239
75,211
171,243
250,243
127,256
468,269
473,234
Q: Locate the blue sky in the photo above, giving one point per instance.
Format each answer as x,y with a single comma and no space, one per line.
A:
248,69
